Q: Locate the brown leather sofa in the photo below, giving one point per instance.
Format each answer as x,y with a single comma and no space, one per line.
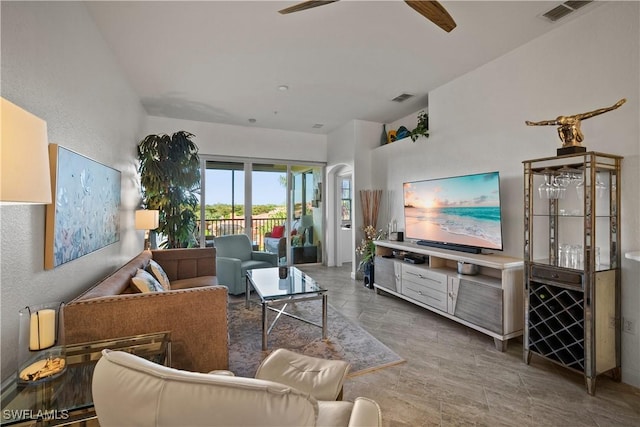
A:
194,310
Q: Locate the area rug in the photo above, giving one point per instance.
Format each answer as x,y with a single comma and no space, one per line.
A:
345,340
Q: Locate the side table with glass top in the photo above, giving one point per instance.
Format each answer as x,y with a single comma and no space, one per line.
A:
67,399
284,285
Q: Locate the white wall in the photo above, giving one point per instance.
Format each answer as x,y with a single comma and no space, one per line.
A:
56,65
240,141
350,147
477,125
340,157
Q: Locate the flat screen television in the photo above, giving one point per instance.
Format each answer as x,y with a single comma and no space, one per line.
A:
459,213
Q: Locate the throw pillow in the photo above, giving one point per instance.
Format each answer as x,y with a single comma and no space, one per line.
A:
157,271
278,231
144,282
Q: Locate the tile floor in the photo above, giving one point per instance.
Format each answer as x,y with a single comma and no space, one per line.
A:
454,376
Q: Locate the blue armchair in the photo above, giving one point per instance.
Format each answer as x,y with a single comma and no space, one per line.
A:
234,256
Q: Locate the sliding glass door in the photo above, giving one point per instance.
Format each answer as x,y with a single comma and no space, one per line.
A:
223,194
307,215
269,207
278,205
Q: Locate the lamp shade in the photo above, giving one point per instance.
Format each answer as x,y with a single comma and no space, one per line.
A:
147,219
306,221
24,155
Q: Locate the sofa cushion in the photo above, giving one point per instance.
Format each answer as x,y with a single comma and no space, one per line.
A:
156,270
278,231
144,282
234,246
186,263
334,413
194,282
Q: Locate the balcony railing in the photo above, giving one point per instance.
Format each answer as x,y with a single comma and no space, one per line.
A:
259,226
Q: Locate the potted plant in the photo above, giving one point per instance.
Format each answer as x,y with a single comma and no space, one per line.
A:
422,129
367,251
170,177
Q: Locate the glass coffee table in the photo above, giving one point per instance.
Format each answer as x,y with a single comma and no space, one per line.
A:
67,399
279,285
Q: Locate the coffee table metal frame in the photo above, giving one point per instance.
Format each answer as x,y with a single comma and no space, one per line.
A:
267,298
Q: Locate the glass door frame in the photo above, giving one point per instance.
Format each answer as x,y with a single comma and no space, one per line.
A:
248,205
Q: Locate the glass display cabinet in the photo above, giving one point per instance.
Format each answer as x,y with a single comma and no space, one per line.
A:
572,262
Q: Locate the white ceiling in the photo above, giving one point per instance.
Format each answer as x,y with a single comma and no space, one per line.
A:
222,61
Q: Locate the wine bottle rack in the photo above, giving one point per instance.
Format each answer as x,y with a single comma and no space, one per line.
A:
556,324
572,262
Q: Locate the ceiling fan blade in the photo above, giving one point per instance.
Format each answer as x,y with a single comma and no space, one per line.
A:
305,5
434,12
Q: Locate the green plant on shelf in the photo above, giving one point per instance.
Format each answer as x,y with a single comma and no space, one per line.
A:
422,129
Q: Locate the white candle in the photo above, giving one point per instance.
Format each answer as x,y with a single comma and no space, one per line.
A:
42,329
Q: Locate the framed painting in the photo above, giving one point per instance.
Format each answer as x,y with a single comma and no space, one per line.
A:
85,213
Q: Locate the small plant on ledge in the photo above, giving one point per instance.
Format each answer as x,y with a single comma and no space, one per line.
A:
422,129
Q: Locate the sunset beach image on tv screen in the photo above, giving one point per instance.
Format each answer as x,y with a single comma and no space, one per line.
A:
463,210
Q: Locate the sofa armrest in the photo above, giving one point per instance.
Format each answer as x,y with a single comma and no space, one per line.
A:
196,318
366,412
265,256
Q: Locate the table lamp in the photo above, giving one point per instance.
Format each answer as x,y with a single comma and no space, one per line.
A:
25,173
147,220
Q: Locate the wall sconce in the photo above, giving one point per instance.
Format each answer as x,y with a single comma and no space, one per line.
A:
25,172
147,220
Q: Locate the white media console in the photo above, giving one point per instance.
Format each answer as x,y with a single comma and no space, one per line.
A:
490,302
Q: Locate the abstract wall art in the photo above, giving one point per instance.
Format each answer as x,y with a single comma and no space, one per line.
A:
84,215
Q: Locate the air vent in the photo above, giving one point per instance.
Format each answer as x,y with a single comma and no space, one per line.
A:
403,97
575,5
557,13
564,9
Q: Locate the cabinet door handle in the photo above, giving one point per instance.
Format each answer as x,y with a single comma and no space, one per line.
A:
555,276
427,278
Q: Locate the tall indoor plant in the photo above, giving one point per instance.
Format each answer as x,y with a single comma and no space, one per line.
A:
170,177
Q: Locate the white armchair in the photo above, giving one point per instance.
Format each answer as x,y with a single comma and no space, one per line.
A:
132,391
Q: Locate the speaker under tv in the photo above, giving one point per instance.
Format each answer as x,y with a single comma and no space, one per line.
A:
451,246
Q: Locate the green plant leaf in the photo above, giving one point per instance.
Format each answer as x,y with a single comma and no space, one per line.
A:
170,178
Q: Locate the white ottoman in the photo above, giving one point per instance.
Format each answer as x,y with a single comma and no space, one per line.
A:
321,378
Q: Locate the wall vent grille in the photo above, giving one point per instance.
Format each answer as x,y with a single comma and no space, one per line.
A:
564,9
403,97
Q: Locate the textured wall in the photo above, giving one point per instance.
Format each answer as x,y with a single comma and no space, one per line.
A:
56,65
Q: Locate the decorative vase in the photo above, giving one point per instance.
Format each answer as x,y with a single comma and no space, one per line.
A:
367,271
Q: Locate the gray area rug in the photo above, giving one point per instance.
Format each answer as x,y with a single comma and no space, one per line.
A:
346,341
